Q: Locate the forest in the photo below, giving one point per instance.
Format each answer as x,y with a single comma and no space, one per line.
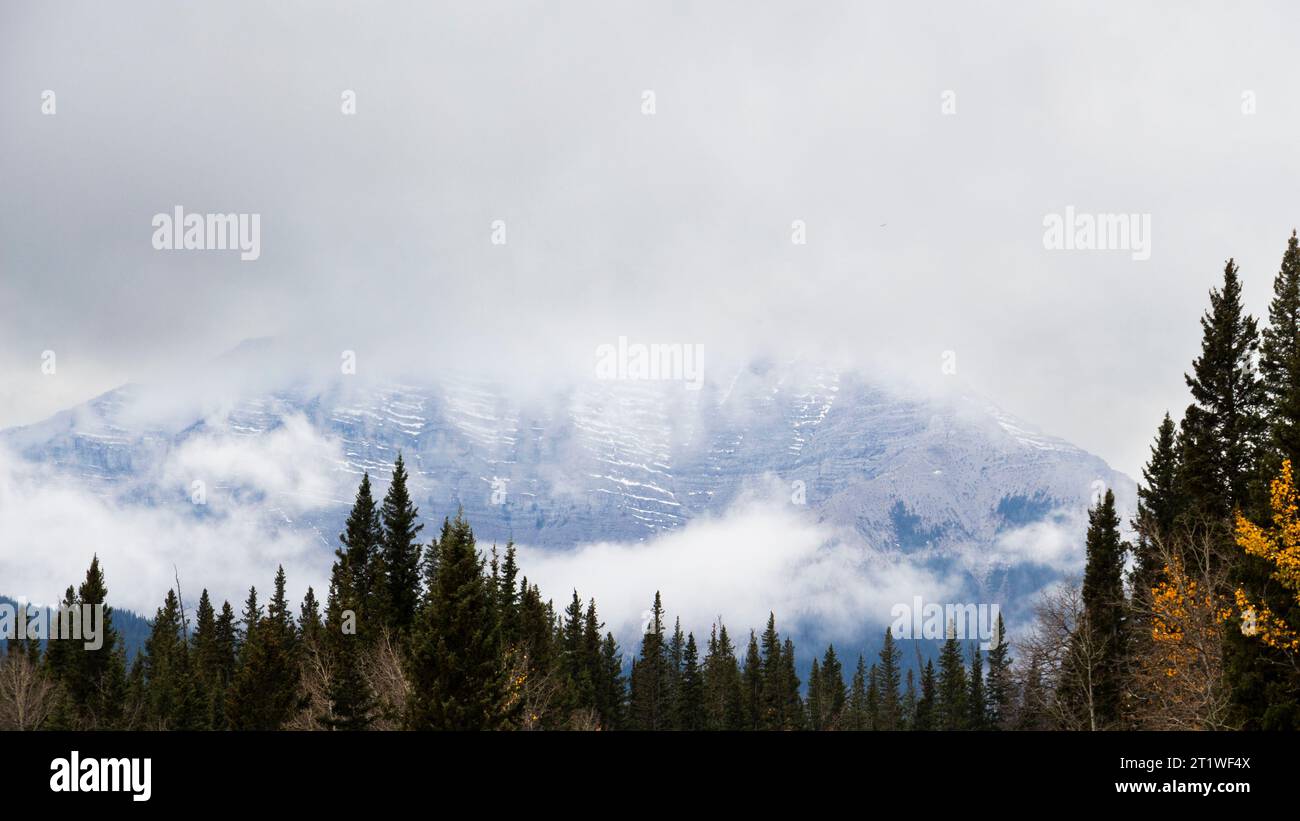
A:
1187,617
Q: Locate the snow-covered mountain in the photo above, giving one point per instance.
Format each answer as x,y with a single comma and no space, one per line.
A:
938,481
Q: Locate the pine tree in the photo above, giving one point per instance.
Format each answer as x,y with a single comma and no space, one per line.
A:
651,679
833,695
351,702
1279,361
888,710
856,709
690,695
1160,506
927,705
792,711
1001,687
873,698
773,698
909,704
816,712
352,582
98,680
951,709
722,683
263,694
752,685
612,693
456,679
1105,617
1222,428
401,553
977,707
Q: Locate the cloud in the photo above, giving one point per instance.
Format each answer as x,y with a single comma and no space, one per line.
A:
257,487
763,555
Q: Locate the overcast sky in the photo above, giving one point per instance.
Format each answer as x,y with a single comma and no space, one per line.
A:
924,229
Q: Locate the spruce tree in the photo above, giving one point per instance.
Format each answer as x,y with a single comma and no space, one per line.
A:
833,695
951,709
722,683
651,680
927,705
1001,686
1279,361
752,685
889,675
690,694
977,707
1105,616
1160,506
856,707
401,553
456,679
1222,428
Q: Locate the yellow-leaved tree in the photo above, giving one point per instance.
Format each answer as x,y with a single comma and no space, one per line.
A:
1278,545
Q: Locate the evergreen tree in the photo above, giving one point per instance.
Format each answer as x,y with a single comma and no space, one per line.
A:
263,694
977,715
1279,361
651,678
351,702
951,709
816,712
927,705
909,704
888,680
1105,616
792,712
773,698
832,693
1001,687
401,553
1160,505
856,708
722,683
353,582
752,685
690,694
612,694
1222,428
457,683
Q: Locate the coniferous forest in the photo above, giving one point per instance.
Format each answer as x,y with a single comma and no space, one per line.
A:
1187,617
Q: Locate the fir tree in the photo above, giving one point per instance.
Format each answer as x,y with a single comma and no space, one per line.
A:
1105,616
1222,428
651,679
1001,687
927,704
951,709
888,710
833,695
752,685
457,683
856,708
1279,361
401,553
977,715
690,694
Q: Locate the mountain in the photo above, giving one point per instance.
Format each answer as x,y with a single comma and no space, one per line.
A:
935,481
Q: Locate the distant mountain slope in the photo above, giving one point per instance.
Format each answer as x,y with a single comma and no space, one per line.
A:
938,480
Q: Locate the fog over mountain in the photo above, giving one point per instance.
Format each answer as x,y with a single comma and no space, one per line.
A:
824,493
